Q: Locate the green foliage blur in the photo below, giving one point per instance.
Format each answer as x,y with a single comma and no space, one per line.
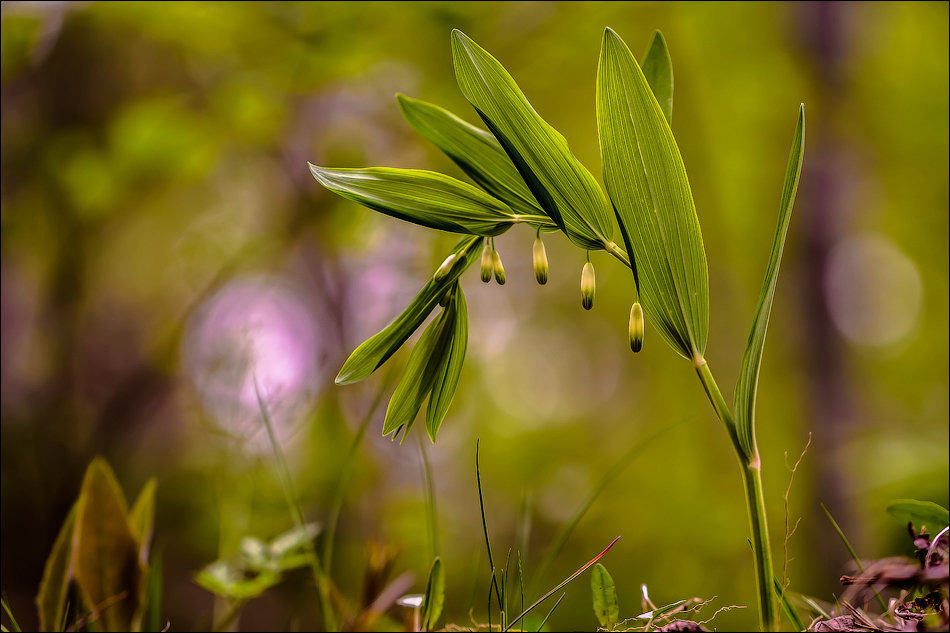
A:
165,251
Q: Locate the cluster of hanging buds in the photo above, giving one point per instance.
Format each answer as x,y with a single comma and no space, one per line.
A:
491,264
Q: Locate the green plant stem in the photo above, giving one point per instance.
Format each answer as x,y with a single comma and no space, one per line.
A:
751,467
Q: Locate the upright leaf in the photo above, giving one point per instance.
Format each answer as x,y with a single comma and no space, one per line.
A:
752,359
106,551
566,191
143,518
377,349
51,600
476,151
425,362
443,389
658,70
604,593
422,197
434,599
647,183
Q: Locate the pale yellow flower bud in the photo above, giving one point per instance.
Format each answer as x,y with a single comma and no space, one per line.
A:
497,267
636,327
540,261
445,268
587,286
487,261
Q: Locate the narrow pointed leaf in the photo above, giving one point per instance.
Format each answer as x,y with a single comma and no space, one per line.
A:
563,187
106,551
425,362
647,183
51,600
477,153
752,359
446,381
434,599
142,516
658,70
422,197
604,593
377,349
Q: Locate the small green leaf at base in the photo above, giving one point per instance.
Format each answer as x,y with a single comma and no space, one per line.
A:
51,600
604,593
434,597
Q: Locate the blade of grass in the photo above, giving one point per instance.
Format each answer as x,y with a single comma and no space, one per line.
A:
428,484
481,505
567,529
787,607
296,512
854,555
545,620
551,592
9,612
346,471
153,614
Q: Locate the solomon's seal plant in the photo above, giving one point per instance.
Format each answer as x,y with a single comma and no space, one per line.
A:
526,174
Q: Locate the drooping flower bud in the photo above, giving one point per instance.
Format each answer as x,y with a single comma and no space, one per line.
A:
587,286
497,267
487,261
445,268
540,261
636,327
447,296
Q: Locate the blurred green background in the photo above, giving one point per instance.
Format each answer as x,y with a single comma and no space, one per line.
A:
163,243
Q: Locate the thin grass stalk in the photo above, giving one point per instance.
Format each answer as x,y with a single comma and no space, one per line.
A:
755,503
346,472
431,514
296,511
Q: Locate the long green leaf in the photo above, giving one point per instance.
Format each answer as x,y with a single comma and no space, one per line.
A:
477,152
647,183
107,551
658,70
377,349
443,389
425,362
604,595
567,192
422,197
434,597
51,600
752,359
